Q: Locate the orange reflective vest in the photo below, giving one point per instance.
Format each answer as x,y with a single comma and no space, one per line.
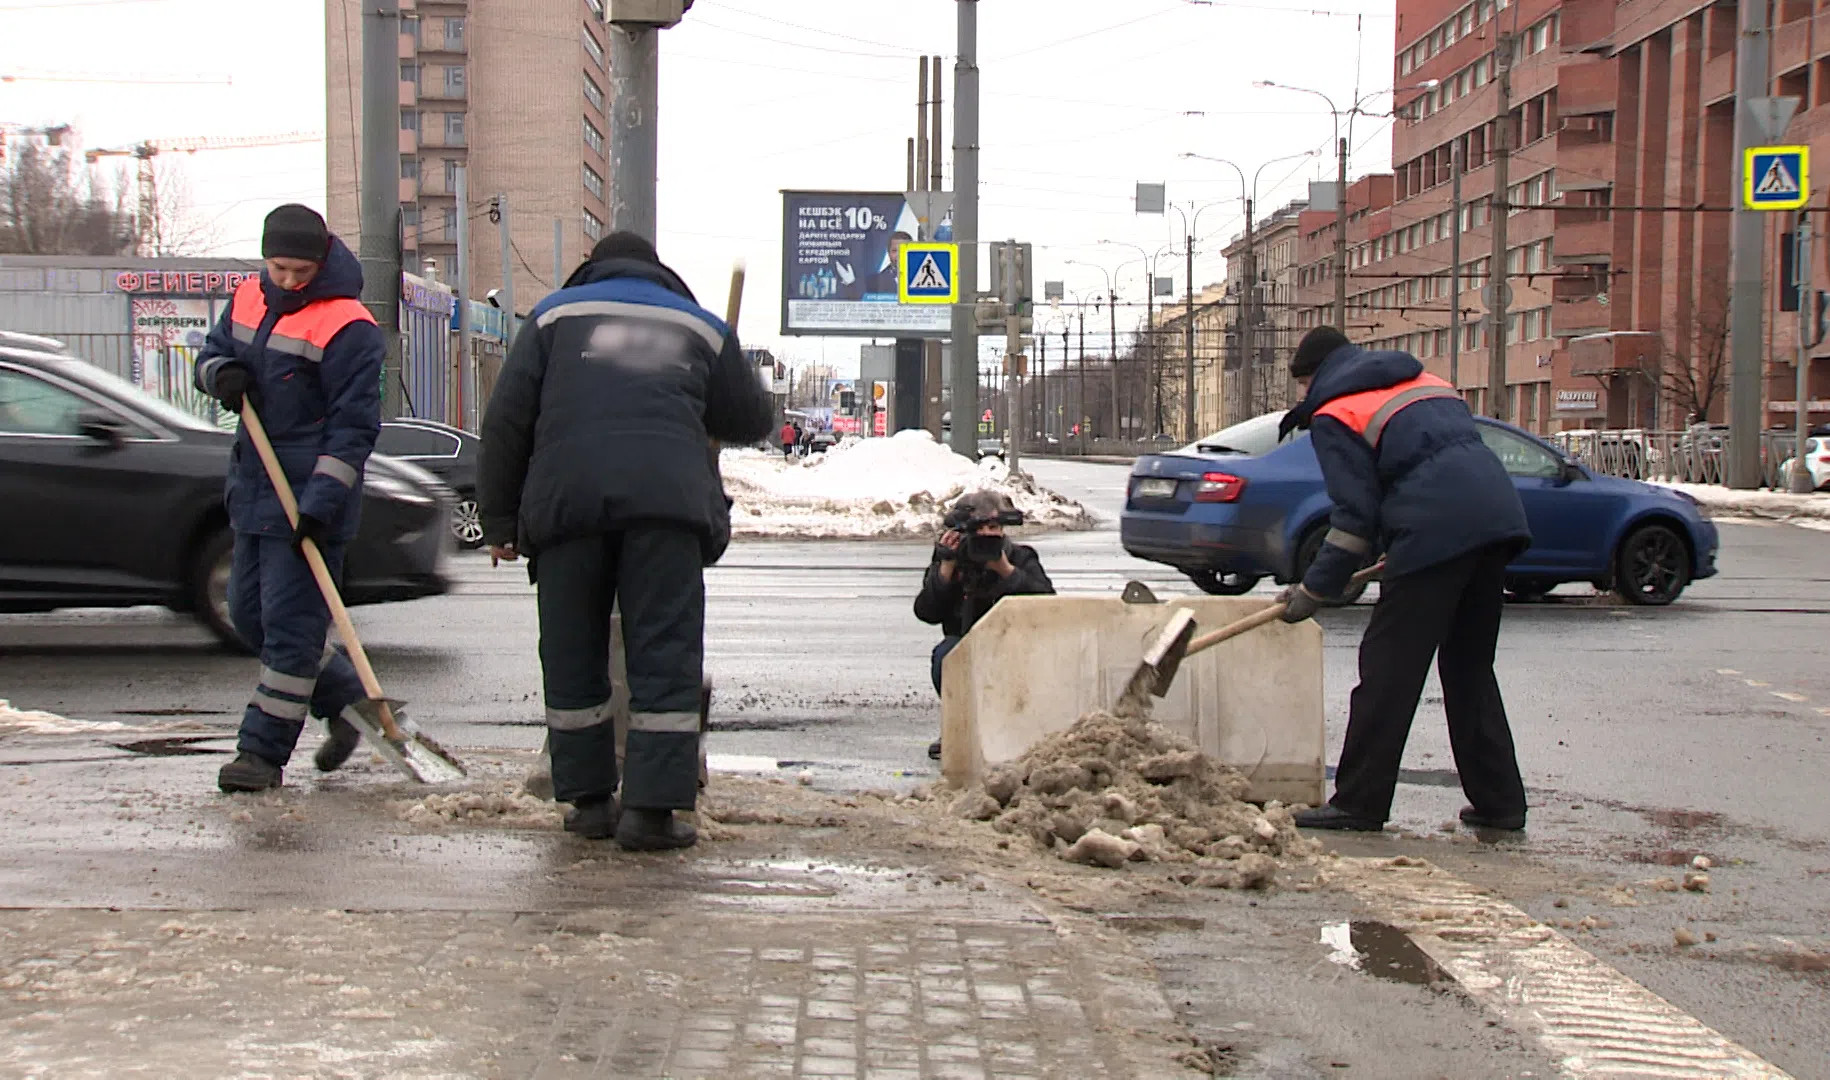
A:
305,333
1368,411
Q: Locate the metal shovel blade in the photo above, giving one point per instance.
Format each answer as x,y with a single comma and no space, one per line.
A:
1161,661
416,754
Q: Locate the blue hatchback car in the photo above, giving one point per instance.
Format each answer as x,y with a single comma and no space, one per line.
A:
1238,507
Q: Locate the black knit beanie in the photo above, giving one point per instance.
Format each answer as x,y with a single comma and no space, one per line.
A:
1313,349
295,232
625,245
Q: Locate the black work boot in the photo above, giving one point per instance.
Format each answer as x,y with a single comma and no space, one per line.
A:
249,772
339,743
653,830
594,819
934,750
1333,817
1504,822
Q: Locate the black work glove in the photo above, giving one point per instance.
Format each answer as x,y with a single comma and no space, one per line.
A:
234,385
1299,604
309,528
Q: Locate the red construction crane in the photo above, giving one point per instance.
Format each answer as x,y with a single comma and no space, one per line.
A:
144,153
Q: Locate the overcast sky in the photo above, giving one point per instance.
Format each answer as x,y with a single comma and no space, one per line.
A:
1081,100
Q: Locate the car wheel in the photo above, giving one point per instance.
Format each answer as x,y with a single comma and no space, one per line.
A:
1652,566
1305,556
1216,584
467,522
210,588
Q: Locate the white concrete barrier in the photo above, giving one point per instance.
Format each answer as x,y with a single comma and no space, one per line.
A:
1035,664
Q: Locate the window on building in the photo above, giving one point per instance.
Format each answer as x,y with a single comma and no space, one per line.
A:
409,119
454,128
1465,21
450,224
454,35
409,214
593,182
594,94
451,175
594,138
409,72
409,25
594,228
592,47
454,82
409,168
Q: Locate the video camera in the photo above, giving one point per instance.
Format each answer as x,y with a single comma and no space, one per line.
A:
966,519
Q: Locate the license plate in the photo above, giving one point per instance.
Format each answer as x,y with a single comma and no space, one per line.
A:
1156,488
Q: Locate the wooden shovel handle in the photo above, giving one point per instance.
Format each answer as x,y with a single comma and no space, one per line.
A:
1258,618
732,308
257,433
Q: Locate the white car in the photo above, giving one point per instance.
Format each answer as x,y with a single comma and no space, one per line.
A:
1817,460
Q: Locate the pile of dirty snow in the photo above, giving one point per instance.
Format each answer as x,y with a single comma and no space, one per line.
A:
1116,789
875,489
31,722
1771,505
503,806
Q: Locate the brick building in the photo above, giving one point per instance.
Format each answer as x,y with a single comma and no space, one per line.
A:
517,91
1617,316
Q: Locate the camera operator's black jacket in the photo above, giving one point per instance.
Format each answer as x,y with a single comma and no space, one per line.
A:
956,605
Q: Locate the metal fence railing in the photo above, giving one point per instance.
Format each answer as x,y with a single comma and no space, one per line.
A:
1696,455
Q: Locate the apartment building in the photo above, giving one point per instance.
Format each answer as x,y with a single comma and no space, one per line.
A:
514,91
1622,168
1255,375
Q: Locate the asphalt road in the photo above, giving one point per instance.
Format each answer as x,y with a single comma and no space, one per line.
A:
1646,736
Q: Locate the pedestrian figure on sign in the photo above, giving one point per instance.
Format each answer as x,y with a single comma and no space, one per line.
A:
296,344
1409,475
595,466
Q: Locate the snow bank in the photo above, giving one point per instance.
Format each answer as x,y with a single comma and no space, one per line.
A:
1773,505
17,721
875,489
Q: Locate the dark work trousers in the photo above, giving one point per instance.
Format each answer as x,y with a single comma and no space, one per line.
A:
1450,611
654,574
939,657
276,607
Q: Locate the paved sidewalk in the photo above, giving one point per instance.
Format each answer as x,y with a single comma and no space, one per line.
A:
161,930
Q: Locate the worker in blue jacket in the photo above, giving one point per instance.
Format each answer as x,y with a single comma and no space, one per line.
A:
1410,477
297,345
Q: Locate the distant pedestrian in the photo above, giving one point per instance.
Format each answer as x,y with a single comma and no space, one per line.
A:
296,344
1410,476
595,465
788,435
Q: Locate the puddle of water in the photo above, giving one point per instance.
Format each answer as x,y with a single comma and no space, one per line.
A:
173,746
1382,951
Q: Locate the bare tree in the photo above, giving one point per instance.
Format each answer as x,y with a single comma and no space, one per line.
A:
48,207
1695,374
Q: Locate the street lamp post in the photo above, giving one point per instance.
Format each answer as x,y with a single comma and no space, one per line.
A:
1190,227
1156,375
1340,150
1248,299
1112,303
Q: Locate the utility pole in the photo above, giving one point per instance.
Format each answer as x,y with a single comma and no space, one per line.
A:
379,184
1082,417
920,183
508,267
1340,234
467,371
1012,278
635,62
1747,258
1455,167
1499,286
1800,482
966,231
1118,418
1188,346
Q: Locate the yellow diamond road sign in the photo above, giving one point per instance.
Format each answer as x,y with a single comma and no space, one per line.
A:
925,273
1776,177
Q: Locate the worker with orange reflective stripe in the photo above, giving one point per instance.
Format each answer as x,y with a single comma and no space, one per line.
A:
1412,480
297,344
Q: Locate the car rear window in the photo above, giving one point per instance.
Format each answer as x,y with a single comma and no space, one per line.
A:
1248,438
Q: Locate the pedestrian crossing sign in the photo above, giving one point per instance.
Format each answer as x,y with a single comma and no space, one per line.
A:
926,274
1777,177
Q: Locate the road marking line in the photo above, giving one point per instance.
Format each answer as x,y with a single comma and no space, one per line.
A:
1787,695
1727,671
1598,1022
1826,712
1756,683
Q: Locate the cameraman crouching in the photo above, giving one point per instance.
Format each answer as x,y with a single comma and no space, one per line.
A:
975,565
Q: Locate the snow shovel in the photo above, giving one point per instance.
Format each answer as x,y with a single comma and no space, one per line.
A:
403,745
1177,643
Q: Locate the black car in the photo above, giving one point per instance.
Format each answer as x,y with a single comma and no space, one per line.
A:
448,453
113,498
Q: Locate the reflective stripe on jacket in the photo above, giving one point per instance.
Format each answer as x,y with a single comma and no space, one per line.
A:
1367,412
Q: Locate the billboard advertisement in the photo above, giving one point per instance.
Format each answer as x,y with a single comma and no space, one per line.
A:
839,255
167,335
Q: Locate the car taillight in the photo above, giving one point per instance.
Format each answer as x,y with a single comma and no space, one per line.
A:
1219,487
